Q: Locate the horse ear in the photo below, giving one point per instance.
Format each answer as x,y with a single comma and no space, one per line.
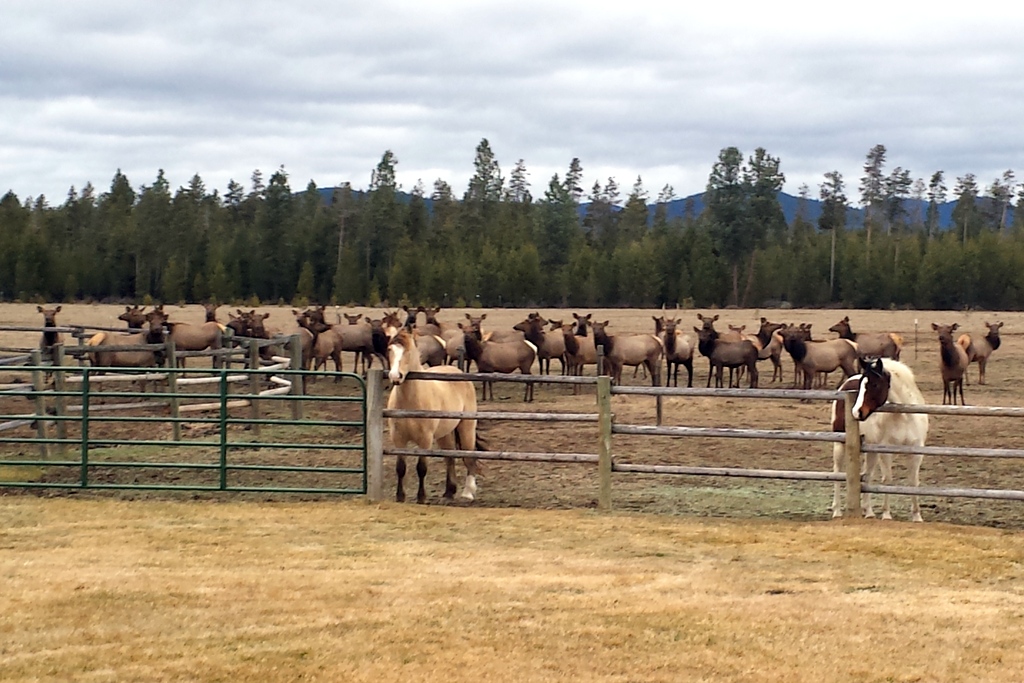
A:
879,368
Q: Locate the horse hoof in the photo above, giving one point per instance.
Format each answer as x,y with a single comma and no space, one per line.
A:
887,516
837,514
467,496
916,517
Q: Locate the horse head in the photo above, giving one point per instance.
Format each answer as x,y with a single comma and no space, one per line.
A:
873,389
401,351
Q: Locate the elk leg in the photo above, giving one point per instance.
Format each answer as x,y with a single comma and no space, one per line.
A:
689,373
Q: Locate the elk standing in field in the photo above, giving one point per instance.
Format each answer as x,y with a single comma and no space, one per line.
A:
505,357
726,354
953,363
811,357
771,345
870,345
152,334
550,344
49,339
678,349
979,350
632,349
189,337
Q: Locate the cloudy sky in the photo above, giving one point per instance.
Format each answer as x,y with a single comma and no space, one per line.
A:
631,88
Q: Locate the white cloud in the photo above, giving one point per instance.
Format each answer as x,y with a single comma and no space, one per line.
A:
637,89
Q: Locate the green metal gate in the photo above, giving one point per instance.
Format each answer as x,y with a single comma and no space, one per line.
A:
269,431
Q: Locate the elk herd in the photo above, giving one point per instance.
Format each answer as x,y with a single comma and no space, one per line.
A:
535,341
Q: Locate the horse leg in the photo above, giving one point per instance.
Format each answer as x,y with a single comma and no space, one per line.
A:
886,462
400,473
838,465
466,438
915,480
421,472
868,466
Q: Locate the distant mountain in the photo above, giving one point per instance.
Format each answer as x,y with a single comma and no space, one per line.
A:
790,207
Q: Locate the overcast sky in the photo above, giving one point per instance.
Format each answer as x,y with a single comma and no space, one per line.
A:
631,88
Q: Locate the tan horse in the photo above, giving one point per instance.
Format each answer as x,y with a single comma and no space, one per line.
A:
449,433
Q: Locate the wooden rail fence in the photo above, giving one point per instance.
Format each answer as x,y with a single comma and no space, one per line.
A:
856,482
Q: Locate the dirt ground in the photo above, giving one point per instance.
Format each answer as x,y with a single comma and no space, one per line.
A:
507,485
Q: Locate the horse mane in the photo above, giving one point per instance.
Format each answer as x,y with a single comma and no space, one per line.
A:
903,385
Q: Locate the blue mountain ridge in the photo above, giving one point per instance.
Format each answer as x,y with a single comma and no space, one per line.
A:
790,207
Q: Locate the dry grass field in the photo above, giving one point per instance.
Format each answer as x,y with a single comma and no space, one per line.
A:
717,580
107,590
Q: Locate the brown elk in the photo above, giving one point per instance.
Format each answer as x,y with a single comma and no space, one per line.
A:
152,334
189,337
979,350
870,345
504,357
580,350
771,345
306,337
357,337
678,349
726,354
50,338
134,317
494,335
549,343
632,349
953,362
812,357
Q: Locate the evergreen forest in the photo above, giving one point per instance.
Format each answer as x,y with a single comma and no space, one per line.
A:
505,242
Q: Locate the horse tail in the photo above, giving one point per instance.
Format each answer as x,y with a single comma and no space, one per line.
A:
479,445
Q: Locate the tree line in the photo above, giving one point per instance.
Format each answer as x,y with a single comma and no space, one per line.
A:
500,245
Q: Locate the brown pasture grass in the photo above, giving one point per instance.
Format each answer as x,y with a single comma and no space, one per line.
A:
99,589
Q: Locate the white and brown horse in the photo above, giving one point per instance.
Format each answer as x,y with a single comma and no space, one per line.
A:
449,433
879,381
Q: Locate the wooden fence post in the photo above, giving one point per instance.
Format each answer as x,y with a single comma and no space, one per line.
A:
298,381
254,384
375,435
38,384
853,456
171,364
604,443
58,401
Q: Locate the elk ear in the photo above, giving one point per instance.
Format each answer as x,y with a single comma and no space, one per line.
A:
715,318
934,326
953,327
468,317
998,324
589,315
39,308
57,310
700,317
697,329
483,317
763,320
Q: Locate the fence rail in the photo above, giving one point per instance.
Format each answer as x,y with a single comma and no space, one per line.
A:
855,481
